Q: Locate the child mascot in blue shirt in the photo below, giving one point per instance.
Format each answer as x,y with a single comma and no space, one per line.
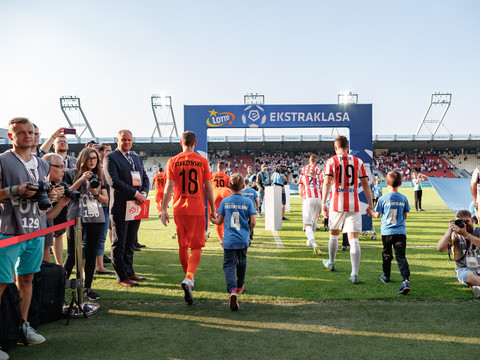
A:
239,215
393,208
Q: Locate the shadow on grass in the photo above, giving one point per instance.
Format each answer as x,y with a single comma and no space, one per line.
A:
209,330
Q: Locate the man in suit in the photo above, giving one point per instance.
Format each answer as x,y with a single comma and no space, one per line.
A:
126,176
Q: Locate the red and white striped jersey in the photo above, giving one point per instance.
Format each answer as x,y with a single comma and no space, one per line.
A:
310,169
346,170
311,187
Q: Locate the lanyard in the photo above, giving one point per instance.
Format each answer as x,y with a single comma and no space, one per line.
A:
470,248
34,175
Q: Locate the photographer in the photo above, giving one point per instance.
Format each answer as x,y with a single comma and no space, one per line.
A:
281,179
465,240
86,178
20,214
263,179
57,171
60,147
251,176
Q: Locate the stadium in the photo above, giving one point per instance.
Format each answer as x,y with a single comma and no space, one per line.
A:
426,149
398,80
297,284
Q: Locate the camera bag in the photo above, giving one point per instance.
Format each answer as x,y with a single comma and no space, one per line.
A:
11,319
48,296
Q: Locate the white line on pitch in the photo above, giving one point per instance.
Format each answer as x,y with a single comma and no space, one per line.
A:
278,240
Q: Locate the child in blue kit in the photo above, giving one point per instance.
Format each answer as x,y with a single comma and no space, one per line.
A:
377,192
253,196
237,210
393,207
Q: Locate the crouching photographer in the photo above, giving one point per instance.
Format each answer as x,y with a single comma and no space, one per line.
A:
464,239
87,178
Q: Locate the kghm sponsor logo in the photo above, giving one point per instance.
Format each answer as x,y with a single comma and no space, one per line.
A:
217,119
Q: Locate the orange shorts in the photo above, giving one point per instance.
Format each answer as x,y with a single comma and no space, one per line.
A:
159,197
190,230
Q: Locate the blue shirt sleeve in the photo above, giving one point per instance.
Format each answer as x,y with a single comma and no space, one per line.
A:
407,205
251,209
379,206
221,208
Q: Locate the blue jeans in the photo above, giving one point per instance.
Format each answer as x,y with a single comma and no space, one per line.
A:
234,259
261,198
103,235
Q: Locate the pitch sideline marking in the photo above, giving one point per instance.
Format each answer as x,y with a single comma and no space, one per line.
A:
278,241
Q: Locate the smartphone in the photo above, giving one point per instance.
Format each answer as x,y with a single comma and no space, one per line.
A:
70,131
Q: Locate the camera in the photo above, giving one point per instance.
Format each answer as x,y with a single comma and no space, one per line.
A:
460,223
41,196
94,182
71,194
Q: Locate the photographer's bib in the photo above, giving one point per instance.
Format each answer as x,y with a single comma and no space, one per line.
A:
17,217
86,207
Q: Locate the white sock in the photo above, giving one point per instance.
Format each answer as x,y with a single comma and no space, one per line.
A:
332,247
355,253
310,235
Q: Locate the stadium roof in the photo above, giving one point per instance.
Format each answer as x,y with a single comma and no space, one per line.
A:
239,144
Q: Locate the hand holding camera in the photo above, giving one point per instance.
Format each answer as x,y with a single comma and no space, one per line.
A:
458,226
40,194
92,178
71,194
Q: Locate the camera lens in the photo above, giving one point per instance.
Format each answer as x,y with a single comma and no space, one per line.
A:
94,183
460,223
41,196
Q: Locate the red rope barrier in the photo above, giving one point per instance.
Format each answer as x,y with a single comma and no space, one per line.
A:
34,234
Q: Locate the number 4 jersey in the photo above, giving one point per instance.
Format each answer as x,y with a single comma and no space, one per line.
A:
236,210
346,170
189,171
393,207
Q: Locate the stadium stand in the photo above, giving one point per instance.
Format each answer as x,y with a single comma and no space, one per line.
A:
428,163
468,162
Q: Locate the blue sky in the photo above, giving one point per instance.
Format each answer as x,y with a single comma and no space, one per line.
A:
115,54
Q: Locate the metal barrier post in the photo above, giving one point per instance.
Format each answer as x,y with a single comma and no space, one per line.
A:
79,259
77,307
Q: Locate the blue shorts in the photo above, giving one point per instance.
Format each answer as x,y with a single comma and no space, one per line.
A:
462,275
22,258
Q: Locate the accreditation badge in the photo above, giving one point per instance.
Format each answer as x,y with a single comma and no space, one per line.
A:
471,260
92,208
136,180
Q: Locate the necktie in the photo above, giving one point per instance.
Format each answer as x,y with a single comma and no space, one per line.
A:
130,160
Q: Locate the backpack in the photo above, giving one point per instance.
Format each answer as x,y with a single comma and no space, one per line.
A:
48,295
11,320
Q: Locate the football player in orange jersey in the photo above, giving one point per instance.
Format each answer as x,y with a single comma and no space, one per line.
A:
189,174
220,179
158,184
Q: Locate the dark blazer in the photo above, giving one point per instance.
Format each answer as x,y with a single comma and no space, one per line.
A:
117,171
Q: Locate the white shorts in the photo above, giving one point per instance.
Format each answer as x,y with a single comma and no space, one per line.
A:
311,209
345,221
